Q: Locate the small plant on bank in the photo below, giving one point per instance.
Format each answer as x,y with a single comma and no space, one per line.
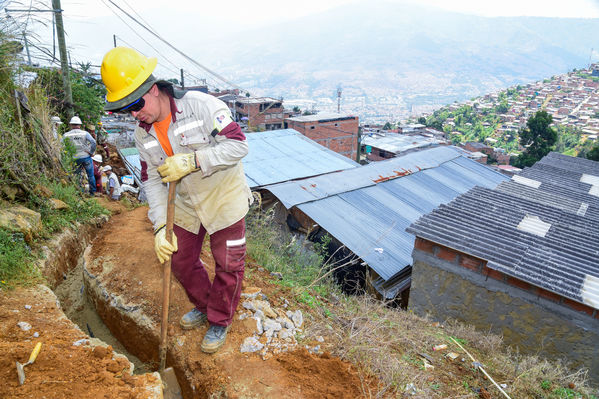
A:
282,252
17,261
79,209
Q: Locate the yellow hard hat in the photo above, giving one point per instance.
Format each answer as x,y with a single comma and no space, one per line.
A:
127,75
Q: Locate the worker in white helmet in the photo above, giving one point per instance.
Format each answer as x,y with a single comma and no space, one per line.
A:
85,146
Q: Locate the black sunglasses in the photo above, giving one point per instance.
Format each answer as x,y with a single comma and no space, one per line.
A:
135,106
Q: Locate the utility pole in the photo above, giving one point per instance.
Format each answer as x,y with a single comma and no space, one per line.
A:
66,79
114,40
182,79
339,99
27,48
358,152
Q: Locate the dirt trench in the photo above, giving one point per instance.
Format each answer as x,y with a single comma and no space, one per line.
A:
109,283
70,363
123,280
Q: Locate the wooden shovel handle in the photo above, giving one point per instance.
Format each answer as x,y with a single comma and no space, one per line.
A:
166,275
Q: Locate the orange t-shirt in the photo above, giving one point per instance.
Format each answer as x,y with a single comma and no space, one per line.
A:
162,134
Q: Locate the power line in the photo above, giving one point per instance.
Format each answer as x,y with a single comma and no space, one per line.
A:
224,80
176,72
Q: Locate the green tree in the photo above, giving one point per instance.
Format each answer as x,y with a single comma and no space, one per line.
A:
538,139
502,108
387,126
422,120
88,93
593,154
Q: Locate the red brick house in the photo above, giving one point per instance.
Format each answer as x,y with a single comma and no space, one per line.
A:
263,113
337,132
479,147
519,260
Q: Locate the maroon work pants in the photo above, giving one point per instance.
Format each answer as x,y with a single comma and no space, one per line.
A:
217,299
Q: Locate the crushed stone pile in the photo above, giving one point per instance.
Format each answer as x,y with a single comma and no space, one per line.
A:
276,329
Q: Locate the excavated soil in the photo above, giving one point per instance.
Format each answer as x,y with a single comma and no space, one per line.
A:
125,284
64,368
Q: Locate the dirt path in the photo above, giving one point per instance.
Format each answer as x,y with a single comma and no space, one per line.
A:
122,263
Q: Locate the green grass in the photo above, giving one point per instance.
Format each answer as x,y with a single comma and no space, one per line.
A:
18,258
17,261
80,209
279,251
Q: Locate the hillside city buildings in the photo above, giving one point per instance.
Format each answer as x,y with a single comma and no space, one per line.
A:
571,99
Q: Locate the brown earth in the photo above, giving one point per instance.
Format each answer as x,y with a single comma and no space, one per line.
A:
62,369
122,260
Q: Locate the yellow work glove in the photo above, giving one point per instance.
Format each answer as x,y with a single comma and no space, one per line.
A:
177,166
163,248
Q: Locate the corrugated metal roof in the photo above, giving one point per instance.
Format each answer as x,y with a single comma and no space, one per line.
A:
561,257
369,215
132,162
397,143
280,155
294,193
322,116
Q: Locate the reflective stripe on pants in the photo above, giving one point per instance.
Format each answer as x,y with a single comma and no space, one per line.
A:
217,299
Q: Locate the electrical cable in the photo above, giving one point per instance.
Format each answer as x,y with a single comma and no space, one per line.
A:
224,80
148,43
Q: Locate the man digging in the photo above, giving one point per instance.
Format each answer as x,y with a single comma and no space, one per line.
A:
188,137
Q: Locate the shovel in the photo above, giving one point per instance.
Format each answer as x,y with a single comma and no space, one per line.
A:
32,357
172,390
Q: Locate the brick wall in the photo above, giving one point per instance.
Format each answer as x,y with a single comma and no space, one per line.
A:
339,135
267,119
480,266
450,284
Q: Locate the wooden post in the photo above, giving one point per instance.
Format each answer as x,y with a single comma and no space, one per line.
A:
66,79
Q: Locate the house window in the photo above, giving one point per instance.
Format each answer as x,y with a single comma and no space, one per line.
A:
311,127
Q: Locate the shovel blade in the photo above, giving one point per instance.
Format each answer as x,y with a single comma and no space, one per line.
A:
21,373
171,390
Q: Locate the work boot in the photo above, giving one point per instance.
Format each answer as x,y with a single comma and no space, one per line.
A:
192,319
215,338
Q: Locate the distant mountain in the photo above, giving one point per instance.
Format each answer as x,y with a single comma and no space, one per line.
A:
414,55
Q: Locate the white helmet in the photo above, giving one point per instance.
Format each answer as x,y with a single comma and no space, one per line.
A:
75,121
56,120
97,158
106,168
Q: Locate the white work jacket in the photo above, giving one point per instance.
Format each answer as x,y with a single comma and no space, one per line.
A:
215,196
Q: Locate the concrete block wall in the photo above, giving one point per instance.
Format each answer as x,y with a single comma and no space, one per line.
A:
450,284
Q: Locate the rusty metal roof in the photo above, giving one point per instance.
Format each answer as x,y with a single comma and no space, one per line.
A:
368,208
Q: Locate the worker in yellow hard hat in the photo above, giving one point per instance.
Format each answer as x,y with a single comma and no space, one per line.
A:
191,137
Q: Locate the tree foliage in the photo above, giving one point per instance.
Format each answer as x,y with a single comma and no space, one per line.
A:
28,149
593,154
538,139
88,93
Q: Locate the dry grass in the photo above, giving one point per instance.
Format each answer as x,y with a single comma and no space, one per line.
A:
392,345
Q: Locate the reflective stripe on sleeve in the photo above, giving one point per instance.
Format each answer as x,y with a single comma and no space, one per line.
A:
188,126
